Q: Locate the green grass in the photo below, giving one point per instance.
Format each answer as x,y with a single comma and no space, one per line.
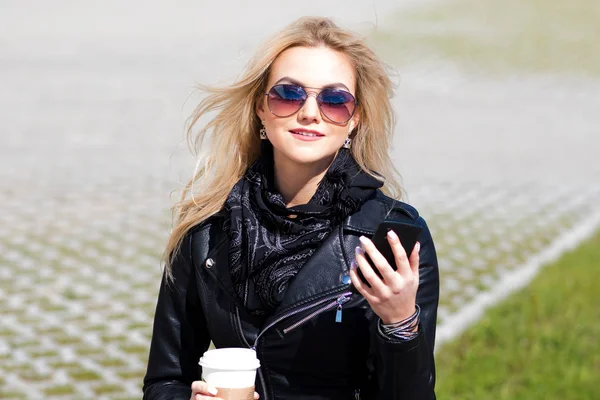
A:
64,364
134,349
111,362
499,36
106,389
132,374
85,375
59,390
542,343
10,394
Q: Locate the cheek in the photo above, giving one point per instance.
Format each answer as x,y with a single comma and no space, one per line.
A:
276,125
340,133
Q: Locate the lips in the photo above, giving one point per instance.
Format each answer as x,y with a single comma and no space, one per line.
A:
306,135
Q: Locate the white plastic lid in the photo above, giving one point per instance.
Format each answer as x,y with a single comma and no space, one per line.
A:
231,359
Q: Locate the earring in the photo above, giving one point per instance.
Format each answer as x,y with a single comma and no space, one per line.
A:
348,141
263,131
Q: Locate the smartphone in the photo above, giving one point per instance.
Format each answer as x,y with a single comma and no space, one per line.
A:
408,234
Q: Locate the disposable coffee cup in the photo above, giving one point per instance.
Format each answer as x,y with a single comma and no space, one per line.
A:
232,371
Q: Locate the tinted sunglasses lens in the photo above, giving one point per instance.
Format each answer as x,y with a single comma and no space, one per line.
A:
284,100
337,105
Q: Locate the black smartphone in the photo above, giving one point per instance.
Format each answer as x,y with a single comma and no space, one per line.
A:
408,234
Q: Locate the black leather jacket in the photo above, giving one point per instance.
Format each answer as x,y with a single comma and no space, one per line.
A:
304,353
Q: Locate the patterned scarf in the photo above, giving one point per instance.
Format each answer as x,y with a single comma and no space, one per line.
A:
267,247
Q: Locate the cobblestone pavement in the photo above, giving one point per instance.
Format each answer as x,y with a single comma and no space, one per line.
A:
91,148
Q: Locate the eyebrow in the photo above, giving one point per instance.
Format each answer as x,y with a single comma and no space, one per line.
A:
296,82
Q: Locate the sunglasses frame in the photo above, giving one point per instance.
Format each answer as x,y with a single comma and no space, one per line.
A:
316,98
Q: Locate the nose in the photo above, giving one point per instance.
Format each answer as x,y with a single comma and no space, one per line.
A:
310,111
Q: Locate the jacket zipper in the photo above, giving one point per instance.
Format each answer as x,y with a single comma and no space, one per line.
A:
339,302
346,296
260,375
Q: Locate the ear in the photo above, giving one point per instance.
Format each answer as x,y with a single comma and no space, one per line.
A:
260,109
354,121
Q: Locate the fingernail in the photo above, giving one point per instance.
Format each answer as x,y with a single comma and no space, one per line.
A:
363,240
359,251
418,247
353,264
391,235
212,390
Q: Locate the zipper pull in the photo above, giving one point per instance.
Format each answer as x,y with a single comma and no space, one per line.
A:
341,300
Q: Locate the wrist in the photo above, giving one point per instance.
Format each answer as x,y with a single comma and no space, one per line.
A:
395,319
405,329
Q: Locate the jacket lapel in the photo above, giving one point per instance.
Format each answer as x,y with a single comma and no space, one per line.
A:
326,272
215,259
323,274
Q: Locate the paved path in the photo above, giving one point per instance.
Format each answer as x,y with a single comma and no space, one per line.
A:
93,106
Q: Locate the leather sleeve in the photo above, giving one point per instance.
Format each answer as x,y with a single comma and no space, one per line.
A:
180,334
406,369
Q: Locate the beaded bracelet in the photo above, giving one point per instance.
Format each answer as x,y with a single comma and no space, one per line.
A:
403,329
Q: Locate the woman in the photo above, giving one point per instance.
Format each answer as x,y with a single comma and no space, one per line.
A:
265,252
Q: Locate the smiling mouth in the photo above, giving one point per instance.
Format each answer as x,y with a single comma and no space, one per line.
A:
307,134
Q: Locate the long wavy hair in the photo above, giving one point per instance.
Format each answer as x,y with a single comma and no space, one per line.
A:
229,143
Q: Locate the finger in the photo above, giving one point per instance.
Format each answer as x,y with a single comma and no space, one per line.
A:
203,388
382,265
377,285
402,263
205,397
362,288
414,259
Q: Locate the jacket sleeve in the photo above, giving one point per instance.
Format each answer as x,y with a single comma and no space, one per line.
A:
406,369
180,334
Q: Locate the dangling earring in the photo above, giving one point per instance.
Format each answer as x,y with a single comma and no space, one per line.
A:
263,131
348,140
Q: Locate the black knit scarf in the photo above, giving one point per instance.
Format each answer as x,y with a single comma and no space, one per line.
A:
267,247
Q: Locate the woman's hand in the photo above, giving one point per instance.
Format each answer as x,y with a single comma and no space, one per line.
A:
392,298
202,391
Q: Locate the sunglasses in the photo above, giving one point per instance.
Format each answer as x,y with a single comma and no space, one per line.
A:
337,105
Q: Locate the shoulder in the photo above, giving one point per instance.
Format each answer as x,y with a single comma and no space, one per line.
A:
379,208
205,236
394,206
399,210
205,227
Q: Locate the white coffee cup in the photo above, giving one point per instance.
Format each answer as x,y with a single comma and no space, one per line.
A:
232,371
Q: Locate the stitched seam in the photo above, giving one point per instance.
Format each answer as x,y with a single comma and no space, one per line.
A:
203,304
266,375
344,255
237,323
352,228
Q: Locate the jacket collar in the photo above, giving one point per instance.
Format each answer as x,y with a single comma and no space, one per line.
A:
324,273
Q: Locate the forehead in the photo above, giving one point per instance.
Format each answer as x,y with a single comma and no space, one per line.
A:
314,67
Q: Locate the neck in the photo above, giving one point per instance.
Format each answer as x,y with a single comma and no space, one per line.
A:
298,183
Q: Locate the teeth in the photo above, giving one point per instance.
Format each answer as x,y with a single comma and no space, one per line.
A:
305,134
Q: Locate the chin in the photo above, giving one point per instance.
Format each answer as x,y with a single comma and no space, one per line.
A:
306,155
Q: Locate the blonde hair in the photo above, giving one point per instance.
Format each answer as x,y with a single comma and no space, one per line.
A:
231,139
